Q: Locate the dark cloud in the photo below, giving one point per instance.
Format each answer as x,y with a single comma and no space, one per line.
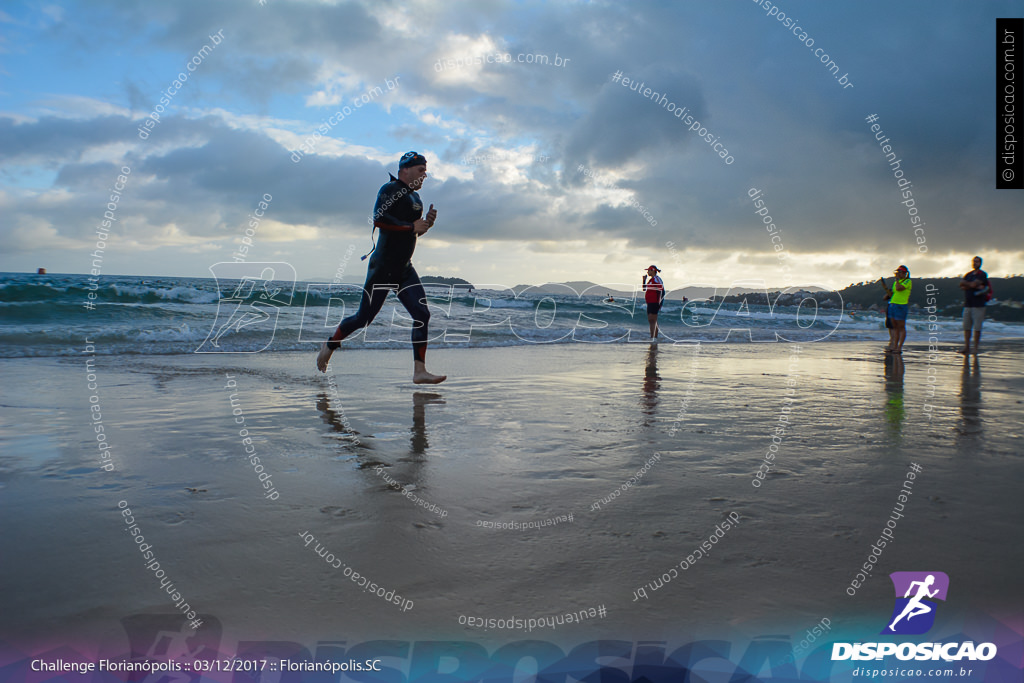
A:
50,140
793,132
623,125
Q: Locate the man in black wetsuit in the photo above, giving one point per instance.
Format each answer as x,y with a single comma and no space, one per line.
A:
398,214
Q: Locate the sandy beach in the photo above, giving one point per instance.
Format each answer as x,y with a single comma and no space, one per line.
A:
537,481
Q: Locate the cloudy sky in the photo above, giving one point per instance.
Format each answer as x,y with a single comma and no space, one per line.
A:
506,140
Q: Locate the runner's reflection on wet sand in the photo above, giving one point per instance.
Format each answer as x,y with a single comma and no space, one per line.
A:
970,398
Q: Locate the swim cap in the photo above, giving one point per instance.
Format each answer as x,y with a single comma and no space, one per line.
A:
412,159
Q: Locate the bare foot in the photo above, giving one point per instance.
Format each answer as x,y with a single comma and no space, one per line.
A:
424,377
324,357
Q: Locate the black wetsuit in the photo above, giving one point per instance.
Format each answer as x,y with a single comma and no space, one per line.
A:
390,268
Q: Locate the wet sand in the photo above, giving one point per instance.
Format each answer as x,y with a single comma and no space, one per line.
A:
518,435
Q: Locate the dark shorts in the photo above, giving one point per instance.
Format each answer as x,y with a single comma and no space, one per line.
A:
653,308
898,311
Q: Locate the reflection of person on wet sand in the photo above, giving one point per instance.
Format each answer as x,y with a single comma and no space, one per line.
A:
915,607
970,396
420,400
411,476
895,412
336,419
652,381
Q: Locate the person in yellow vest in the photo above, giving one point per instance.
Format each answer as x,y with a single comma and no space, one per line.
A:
899,303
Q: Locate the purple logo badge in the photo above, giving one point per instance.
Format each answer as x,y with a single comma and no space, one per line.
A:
916,593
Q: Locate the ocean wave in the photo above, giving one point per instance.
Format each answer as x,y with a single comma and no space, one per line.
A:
48,316
30,292
150,295
46,293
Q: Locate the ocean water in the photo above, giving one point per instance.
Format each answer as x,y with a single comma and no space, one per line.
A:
244,310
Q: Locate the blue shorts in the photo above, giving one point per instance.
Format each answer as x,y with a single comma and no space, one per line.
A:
898,311
653,308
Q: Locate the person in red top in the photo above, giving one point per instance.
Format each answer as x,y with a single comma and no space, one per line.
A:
654,295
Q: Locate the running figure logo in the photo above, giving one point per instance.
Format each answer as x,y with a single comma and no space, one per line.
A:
915,614
247,316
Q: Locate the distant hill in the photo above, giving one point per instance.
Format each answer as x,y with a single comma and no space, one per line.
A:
446,281
1009,293
949,298
948,294
594,289
578,286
